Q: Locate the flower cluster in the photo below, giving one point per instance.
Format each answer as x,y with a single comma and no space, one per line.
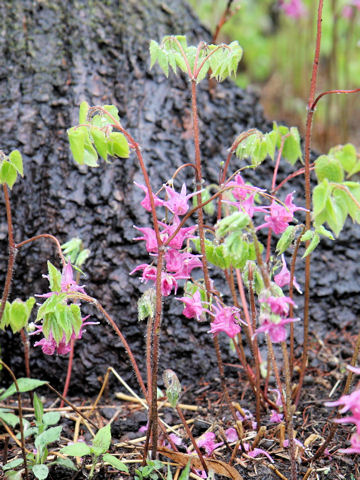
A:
49,346
178,263
350,402
64,322
274,316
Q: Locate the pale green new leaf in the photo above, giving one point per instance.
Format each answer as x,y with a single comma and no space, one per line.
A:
15,159
313,244
40,471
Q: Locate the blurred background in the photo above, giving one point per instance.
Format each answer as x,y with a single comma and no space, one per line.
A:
278,38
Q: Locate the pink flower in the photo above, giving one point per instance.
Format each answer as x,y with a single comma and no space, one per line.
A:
355,444
293,8
146,202
283,277
181,263
276,417
239,192
183,233
178,202
67,284
206,441
49,345
193,306
149,236
276,331
278,305
226,320
231,435
280,216
168,282
256,452
350,402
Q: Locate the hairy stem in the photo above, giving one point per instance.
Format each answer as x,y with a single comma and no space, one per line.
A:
308,196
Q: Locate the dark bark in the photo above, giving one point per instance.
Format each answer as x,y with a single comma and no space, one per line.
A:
53,55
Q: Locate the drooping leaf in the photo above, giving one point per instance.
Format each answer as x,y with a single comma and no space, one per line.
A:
9,418
118,145
320,196
24,385
83,112
77,137
8,173
100,142
15,159
286,239
313,244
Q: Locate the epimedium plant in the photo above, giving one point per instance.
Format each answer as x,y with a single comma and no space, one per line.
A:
257,277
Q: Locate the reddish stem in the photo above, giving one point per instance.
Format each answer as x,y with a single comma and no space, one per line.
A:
308,197
68,373
44,235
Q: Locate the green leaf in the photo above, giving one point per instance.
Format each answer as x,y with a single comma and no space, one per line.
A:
51,418
118,145
100,142
336,212
13,464
186,472
49,306
115,462
320,196
329,168
78,449
38,409
82,257
154,52
15,159
114,112
54,278
90,155
286,239
292,149
322,231
8,173
102,439
19,314
346,156
83,112
65,462
351,197
24,384
49,436
40,471
234,222
313,244
307,236
76,319
77,138
9,418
